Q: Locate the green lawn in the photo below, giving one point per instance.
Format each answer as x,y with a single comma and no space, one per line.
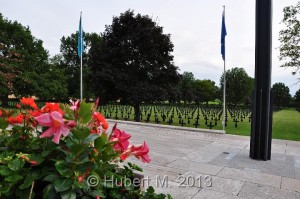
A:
286,125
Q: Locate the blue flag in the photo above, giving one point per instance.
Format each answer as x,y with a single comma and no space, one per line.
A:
223,34
80,39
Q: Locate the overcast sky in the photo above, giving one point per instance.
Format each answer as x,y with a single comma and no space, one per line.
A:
194,25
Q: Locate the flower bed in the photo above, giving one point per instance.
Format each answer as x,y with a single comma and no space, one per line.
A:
65,151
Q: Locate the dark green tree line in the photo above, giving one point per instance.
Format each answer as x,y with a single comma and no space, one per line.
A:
239,86
24,53
281,94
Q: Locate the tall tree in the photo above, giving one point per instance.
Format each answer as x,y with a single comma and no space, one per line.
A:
135,62
281,94
32,57
290,38
187,86
297,99
69,60
8,72
205,90
239,85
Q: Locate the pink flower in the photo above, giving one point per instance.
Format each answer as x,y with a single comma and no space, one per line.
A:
96,105
75,105
55,122
71,124
139,151
121,140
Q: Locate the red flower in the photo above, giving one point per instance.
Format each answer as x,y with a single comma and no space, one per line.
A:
35,113
100,120
16,120
121,140
80,179
33,162
28,102
140,152
50,107
18,106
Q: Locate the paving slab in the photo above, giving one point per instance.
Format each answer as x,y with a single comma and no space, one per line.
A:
252,190
290,184
173,188
251,176
213,183
196,166
208,194
205,154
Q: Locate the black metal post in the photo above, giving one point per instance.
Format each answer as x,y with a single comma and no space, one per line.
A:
261,122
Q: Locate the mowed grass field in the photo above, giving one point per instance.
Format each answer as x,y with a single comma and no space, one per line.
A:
286,125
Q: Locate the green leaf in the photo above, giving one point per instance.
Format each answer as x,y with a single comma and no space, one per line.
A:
3,123
14,178
16,164
45,153
31,176
63,168
68,195
85,112
36,157
91,138
135,167
62,184
5,171
81,133
96,193
51,178
49,192
100,141
23,193
77,149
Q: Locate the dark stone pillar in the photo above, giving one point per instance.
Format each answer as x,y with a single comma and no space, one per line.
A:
261,123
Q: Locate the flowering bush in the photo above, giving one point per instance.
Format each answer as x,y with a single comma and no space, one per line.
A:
64,151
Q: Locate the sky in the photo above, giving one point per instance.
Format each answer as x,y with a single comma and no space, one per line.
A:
194,26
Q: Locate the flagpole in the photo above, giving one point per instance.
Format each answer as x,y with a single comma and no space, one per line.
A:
224,97
224,84
81,46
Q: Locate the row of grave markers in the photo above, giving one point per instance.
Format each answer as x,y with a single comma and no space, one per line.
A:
203,117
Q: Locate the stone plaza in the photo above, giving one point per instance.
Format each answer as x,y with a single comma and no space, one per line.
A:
196,163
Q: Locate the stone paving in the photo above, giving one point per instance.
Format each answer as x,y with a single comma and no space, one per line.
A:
194,164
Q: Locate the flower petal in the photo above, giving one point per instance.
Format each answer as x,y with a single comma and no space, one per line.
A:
56,137
44,119
48,133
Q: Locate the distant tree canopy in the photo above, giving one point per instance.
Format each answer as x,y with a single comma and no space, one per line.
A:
290,38
135,62
186,86
297,99
281,94
239,86
205,91
26,60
